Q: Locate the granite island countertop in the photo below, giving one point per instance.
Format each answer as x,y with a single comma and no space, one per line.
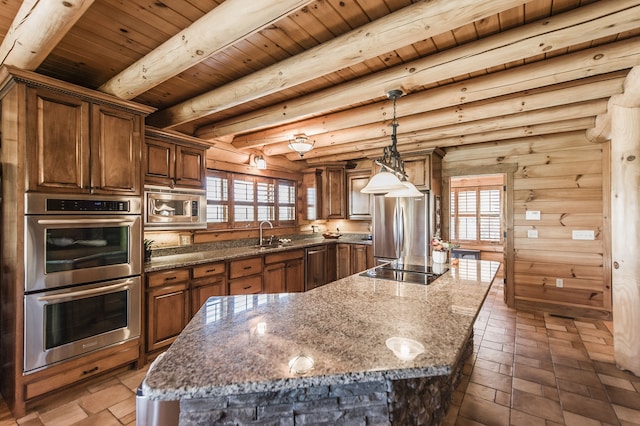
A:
245,344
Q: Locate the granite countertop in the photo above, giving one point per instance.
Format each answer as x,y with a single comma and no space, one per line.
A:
244,344
159,263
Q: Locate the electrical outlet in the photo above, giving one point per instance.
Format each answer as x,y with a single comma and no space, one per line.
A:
532,233
583,235
532,215
559,283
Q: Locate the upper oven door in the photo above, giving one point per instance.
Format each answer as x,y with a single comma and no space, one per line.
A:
75,249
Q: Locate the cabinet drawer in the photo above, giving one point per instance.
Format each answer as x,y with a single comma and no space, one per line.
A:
208,269
94,365
156,279
282,256
245,267
250,285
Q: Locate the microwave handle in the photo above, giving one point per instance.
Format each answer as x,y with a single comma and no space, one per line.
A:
83,293
84,221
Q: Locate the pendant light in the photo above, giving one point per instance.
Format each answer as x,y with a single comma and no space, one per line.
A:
388,179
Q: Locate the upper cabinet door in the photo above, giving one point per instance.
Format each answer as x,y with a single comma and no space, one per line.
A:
159,160
76,146
190,166
333,185
115,149
57,132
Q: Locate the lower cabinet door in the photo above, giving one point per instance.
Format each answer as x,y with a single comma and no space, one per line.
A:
274,278
167,314
200,294
294,276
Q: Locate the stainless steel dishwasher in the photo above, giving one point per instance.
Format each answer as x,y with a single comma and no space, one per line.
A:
155,413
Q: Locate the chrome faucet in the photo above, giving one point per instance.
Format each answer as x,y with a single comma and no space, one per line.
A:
262,223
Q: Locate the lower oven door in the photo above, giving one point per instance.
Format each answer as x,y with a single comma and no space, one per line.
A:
65,323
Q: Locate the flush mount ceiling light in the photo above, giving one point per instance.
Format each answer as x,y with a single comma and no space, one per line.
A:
300,144
391,179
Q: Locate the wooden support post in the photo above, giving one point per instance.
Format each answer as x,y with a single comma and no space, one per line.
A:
625,227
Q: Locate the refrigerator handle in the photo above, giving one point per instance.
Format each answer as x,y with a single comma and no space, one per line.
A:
400,230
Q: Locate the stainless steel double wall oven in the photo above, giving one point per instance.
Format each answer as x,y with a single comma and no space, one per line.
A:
82,277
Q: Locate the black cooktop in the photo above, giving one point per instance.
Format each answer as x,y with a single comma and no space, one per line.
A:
414,274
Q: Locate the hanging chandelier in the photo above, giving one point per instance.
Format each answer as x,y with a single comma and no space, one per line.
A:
300,144
391,180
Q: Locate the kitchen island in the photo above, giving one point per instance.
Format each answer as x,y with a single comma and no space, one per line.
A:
359,350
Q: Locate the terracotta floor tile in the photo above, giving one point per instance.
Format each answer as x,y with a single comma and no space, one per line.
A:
105,398
535,375
573,387
581,324
485,412
532,362
491,379
560,335
506,369
488,365
103,418
498,337
617,382
594,339
527,386
598,347
550,392
496,356
491,345
576,375
123,408
64,415
537,406
518,418
542,354
556,327
533,335
561,351
596,356
627,414
503,398
629,399
572,419
481,391
595,332
612,370
588,407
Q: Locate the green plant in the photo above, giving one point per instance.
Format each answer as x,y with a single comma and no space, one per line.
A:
148,244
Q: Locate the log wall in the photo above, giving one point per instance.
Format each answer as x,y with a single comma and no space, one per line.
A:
566,178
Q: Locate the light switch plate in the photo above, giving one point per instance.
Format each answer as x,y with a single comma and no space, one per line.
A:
583,235
532,215
532,233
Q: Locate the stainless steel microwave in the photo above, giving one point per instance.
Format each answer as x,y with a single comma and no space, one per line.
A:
171,209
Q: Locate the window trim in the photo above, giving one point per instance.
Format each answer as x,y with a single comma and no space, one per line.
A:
453,213
231,224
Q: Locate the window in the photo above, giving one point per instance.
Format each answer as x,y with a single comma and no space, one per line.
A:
476,209
236,201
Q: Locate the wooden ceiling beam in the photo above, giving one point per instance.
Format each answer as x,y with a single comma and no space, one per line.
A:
600,19
579,65
498,136
37,28
215,31
493,124
630,98
406,26
597,87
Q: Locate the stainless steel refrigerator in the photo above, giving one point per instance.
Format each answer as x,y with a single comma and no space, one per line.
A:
401,228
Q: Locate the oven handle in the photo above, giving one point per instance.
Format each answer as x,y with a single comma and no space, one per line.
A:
81,293
90,221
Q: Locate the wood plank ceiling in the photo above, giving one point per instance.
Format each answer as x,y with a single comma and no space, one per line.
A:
247,75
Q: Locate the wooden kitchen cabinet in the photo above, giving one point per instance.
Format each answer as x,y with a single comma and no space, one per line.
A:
167,306
343,260
360,205
284,272
245,276
333,193
174,160
79,146
354,258
324,193
208,280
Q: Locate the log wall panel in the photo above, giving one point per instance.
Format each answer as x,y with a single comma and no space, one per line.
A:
563,177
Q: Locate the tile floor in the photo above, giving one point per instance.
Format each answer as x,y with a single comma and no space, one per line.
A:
528,368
